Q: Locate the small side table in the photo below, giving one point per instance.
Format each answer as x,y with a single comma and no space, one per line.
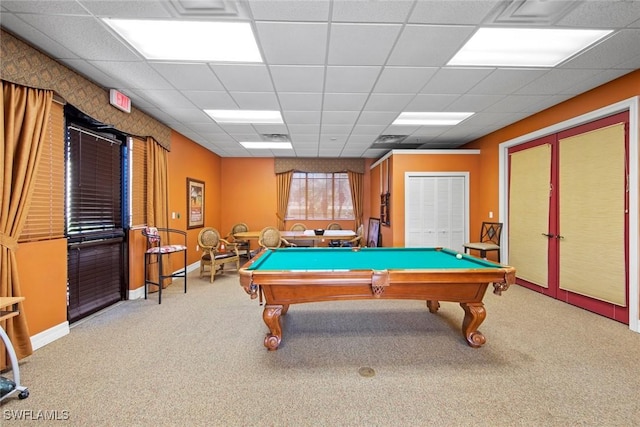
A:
9,309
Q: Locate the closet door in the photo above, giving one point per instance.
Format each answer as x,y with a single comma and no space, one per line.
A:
436,210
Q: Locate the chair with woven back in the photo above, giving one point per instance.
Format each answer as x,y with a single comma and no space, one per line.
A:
270,238
334,226
216,252
244,245
301,228
489,240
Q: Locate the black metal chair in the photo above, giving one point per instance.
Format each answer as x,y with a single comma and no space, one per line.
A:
159,249
489,239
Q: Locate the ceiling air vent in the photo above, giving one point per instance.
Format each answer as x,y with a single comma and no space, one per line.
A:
392,142
275,137
536,12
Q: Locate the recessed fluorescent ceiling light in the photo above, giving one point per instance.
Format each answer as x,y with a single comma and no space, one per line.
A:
245,116
524,47
266,145
430,119
189,40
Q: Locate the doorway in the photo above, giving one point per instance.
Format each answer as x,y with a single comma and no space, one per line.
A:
568,215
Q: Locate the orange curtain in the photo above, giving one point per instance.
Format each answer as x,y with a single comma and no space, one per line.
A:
24,112
356,183
284,188
157,202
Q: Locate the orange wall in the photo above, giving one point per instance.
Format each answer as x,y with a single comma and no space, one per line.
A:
623,88
42,269
249,195
401,163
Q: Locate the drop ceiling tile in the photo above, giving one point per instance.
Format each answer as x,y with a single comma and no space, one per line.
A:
388,102
133,75
473,103
504,81
167,99
127,9
428,46
305,140
211,100
365,129
339,117
243,77
188,76
304,129
301,117
256,100
379,11
376,118
424,102
44,7
602,14
296,101
290,10
351,79
617,50
361,44
297,78
344,101
555,81
515,103
452,11
455,80
95,43
35,37
342,130
288,43
403,79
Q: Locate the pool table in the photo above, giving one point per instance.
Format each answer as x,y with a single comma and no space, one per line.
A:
298,275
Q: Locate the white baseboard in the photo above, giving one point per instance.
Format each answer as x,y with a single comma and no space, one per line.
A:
49,336
138,293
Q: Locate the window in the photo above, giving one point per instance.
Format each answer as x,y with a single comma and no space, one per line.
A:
94,188
320,196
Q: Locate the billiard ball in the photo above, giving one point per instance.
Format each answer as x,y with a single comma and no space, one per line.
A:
459,256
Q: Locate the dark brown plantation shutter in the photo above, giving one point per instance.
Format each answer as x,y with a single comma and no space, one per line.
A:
94,272
139,182
95,186
94,222
45,218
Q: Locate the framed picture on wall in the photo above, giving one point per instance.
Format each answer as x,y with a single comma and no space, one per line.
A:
373,236
195,203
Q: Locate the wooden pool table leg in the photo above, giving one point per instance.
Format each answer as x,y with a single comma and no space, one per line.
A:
271,316
474,314
433,306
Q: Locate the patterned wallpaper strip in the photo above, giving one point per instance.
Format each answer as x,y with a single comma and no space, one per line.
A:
24,65
320,165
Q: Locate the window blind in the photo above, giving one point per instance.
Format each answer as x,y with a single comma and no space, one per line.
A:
139,182
45,217
95,186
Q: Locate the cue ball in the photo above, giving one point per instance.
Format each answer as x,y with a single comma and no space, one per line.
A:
459,256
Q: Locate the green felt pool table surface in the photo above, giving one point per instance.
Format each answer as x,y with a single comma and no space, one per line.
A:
367,258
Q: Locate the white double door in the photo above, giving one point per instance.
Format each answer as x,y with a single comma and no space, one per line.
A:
436,209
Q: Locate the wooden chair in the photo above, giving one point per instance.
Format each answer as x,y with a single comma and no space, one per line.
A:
489,239
216,252
244,245
270,238
356,241
156,248
334,226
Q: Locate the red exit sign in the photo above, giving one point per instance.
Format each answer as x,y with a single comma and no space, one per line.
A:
120,100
